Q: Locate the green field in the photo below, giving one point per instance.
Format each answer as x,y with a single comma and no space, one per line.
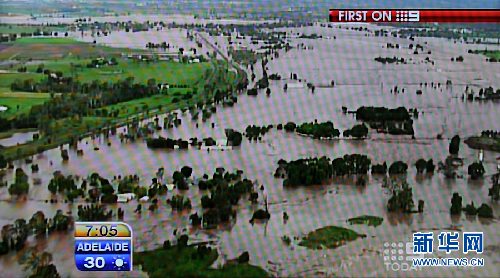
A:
65,129
184,262
50,48
7,78
24,100
18,29
329,237
130,108
50,40
488,53
163,71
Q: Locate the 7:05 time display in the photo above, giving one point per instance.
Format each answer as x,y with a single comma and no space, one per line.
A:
102,229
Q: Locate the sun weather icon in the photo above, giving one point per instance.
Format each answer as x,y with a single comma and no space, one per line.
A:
119,263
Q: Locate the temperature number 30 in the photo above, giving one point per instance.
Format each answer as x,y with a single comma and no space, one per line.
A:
97,262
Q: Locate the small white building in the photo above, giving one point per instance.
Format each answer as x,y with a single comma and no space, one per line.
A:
125,198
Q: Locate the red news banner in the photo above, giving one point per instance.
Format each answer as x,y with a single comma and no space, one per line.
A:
398,16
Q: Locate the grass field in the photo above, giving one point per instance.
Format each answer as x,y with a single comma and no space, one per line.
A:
180,262
164,71
488,53
7,78
169,72
133,107
24,100
18,29
57,48
66,129
329,237
50,40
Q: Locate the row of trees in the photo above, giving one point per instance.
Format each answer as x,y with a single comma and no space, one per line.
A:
490,134
324,130
37,33
389,60
423,165
168,143
84,99
357,131
14,236
253,131
313,171
382,114
457,208
316,130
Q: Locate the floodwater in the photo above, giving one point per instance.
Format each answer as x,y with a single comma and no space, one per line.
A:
349,61
17,138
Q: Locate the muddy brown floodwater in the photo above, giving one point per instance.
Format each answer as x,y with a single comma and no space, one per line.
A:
349,61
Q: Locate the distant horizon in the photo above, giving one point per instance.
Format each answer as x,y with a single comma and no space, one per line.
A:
231,6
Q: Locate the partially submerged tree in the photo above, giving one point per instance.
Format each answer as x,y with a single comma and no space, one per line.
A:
476,170
454,145
402,199
456,204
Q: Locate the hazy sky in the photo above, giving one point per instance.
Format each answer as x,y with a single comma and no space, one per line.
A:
474,4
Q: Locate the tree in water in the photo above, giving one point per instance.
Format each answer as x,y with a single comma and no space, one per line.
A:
476,170
494,191
40,264
186,171
456,204
421,165
454,145
261,214
402,198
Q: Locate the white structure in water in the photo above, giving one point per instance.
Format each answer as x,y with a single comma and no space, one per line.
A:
125,198
221,145
295,85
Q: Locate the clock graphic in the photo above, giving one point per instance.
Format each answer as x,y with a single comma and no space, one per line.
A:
119,263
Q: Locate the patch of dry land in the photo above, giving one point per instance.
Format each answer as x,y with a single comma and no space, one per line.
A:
329,237
54,48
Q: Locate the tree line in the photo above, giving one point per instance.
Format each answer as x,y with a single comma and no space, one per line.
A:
83,99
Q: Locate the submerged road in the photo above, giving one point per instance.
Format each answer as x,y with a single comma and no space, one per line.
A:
220,52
